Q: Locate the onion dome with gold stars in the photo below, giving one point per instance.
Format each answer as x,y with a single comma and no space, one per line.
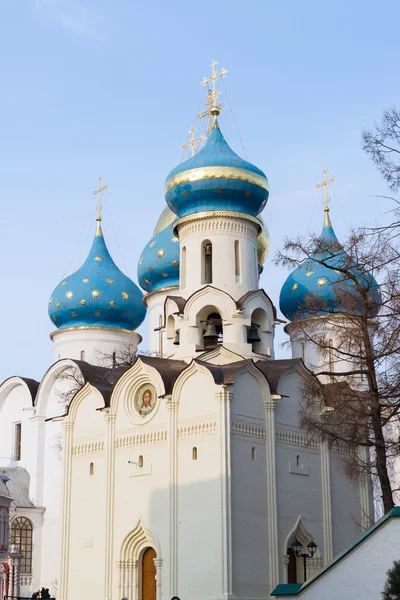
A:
216,178
158,266
314,289
98,294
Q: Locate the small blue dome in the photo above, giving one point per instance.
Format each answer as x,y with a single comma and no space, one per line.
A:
158,265
98,294
216,178
314,289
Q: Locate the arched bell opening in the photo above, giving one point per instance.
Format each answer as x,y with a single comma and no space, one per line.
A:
210,327
206,262
259,334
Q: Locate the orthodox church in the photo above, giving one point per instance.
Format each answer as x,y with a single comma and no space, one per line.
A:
184,471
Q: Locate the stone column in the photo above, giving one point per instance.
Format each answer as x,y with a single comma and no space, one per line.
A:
158,563
68,428
326,502
173,493
224,398
109,491
285,563
272,511
135,578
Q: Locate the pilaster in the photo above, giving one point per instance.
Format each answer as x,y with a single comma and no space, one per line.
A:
224,398
110,489
273,551
68,427
158,564
172,407
326,502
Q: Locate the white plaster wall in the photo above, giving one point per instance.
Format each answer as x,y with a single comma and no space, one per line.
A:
12,411
87,522
96,342
222,233
362,573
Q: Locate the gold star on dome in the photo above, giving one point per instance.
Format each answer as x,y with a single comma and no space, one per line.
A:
186,193
64,282
69,295
175,239
73,314
83,302
161,253
164,274
51,300
112,303
321,281
96,294
295,286
150,269
97,313
175,263
152,243
218,190
54,319
58,305
140,260
109,280
86,280
125,295
310,272
247,193
98,258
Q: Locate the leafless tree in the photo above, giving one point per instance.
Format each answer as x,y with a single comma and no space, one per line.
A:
382,144
354,401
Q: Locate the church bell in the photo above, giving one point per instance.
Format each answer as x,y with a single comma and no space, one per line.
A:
252,334
210,332
176,340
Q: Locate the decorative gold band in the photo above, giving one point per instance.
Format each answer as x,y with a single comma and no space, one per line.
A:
159,291
94,327
217,213
200,174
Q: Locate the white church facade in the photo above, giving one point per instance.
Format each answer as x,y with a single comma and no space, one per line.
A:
184,472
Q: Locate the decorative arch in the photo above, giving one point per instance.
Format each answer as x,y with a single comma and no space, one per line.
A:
133,547
211,296
300,532
126,387
48,382
192,368
9,384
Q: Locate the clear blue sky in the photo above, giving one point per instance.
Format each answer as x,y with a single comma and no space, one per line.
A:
93,87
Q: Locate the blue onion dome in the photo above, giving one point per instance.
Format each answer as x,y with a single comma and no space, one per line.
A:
158,266
216,178
314,289
98,294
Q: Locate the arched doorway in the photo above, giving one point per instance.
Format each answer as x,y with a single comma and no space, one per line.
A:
149,590
292,566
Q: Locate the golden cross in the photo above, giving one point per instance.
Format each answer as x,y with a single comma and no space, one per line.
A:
192,141
98,192
212,96
324,184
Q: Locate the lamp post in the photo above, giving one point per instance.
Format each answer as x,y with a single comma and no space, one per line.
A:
297,548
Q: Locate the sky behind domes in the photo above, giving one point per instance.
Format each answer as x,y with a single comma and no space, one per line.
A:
91,87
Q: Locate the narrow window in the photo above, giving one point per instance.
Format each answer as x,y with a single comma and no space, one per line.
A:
59,356
91,469
183,268
194,454
331,357
256,264
140,461
17,441
253,453
206,261
82,355
237,260
292,566
114,358
298,460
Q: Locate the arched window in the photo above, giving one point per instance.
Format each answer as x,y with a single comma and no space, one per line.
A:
194,454
253,453
237,261
183,268
82,355
21,534
140,461
91,469
292,566
171,327
206,262
258,334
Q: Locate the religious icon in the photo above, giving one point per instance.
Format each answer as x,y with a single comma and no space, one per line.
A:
145,400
